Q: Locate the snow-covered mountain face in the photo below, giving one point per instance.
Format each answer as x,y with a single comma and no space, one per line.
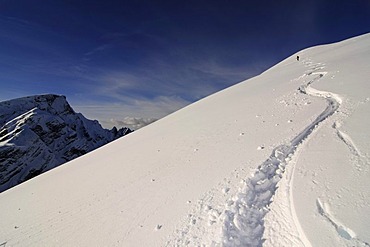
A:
41,132
281,159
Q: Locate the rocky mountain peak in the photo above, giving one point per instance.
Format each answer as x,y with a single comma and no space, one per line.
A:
38,133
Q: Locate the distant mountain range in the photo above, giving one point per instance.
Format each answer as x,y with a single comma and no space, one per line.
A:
38,133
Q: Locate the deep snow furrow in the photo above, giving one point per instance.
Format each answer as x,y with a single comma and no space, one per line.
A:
243,223
244,217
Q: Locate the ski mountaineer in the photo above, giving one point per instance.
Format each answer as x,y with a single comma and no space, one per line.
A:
297,58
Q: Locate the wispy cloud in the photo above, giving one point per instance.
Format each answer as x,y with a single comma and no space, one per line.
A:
160,86
142,109
101,48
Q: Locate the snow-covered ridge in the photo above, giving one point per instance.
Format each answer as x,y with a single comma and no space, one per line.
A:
281,159
38,133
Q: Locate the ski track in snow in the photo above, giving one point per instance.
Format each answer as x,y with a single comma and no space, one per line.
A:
244,217
342,231
241,221
347,141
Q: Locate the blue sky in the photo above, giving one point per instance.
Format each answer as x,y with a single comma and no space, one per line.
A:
120,60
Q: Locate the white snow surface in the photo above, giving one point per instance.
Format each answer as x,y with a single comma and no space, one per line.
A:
281,159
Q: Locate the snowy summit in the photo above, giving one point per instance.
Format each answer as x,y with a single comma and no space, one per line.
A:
281,159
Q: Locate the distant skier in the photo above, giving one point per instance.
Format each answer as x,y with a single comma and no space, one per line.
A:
297,58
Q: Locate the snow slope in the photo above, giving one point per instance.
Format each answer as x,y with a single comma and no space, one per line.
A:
278,160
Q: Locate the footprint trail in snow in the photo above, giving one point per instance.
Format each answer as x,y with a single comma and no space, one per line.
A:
244,217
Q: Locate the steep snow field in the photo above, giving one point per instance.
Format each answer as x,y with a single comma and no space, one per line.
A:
281,159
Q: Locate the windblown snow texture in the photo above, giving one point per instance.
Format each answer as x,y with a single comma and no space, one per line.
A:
41,132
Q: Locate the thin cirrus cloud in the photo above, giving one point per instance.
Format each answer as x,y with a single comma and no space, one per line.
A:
136,101
182,74
152,92
187,81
